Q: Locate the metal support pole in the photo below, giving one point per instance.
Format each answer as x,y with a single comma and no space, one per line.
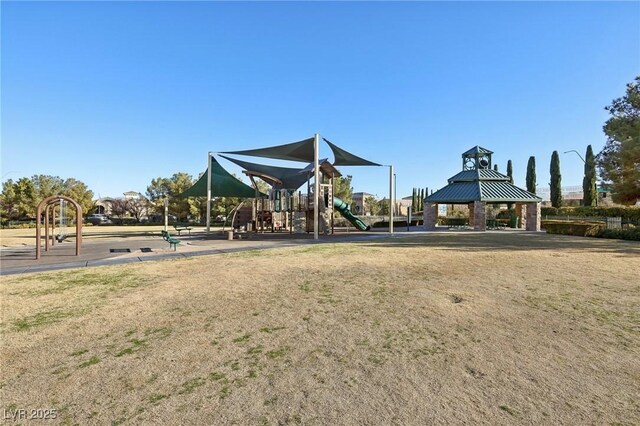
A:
316,185
166,214
208,192
391,199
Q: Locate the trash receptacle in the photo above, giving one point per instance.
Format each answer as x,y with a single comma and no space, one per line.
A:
229,235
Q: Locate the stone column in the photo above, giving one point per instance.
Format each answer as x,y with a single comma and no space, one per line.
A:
520,214
471,214
479,216
430,216
533,216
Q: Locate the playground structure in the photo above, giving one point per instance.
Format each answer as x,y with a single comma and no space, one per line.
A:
288,210
284,208
48,207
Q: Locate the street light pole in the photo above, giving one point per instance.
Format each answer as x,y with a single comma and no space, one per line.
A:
578,154
585,163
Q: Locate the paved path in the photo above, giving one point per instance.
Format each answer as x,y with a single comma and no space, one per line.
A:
120,250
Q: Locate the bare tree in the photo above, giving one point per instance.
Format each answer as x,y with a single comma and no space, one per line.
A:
138,207
119,208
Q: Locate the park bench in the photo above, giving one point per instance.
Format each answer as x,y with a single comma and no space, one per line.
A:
172,241
179,227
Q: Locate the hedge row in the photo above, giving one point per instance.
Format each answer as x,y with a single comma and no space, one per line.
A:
632,234
579,229
632,213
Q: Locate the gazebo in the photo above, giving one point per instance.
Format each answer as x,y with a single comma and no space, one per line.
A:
478,185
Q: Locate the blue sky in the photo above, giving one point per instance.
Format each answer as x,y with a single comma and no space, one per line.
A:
118,93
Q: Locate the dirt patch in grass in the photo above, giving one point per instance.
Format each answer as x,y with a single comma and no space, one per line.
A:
444,328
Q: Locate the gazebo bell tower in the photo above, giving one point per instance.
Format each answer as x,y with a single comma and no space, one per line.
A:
477,158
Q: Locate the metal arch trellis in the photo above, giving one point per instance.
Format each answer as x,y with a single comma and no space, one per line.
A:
45,206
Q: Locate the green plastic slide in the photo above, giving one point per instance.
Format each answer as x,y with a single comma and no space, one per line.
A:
343,208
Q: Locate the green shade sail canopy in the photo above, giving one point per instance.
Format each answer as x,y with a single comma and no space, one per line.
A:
345,158
223,184
296,151
291,178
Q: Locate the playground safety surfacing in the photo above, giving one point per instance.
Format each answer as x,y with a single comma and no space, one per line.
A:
129,249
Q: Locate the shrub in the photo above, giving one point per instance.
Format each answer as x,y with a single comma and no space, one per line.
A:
628,213
632,234
580,229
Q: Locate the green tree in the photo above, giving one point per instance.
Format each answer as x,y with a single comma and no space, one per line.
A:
619,161
414,203
79,192
372,205
531,175
161,188
20,199
383,207
17,200
46,186
589,182
343,189
556,180
510,174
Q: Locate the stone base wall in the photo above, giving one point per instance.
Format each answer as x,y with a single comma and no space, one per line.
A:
430,216
479,216
471,214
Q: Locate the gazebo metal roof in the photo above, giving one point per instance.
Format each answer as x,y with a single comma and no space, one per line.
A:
481,184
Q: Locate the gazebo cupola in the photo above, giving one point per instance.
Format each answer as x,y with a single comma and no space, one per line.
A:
477,158
478,185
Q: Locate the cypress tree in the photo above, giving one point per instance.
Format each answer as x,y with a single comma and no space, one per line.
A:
510,174
422,199
589,182
556,180
531,175
413,200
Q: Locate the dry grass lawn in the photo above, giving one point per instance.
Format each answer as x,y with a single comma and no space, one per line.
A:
448,328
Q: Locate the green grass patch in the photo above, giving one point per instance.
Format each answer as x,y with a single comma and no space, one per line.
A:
80,352
225,392
215,376
376,360
509,410
160,333
46,318
277,353
242,338
191,385
63,281
305,286
271,329
155,398
254,350
91,361
137,344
